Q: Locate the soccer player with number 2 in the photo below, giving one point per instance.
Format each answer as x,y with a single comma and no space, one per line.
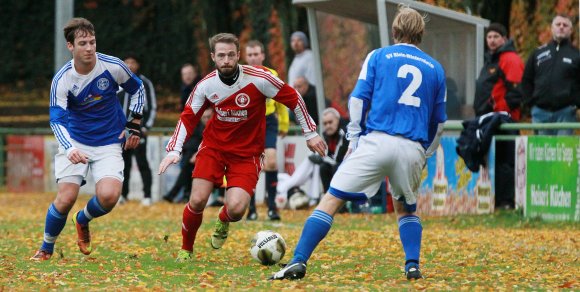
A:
399,100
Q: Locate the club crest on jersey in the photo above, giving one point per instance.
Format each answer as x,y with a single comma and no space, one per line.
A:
242,100
103,83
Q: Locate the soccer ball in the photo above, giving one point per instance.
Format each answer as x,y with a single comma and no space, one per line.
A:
268,247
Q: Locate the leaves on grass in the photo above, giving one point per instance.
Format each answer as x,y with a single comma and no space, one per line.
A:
135,249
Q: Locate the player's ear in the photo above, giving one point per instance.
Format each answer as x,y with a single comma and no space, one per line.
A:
212,57
70,46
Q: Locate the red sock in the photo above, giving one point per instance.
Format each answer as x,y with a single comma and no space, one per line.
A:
223,215
189,226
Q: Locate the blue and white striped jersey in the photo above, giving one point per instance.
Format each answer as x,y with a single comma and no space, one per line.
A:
400,91
85,107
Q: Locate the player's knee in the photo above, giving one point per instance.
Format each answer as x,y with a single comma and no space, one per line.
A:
108,200
64,203
197,201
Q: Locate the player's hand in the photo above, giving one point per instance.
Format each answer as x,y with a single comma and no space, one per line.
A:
167,161
282,134
77,156
317,145
133,134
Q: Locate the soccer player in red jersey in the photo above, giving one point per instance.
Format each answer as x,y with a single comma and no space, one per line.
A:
233,140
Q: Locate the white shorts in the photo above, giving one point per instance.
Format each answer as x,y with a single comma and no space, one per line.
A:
377,156
104,161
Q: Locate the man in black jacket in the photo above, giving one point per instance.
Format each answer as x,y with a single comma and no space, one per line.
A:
140,153
551,81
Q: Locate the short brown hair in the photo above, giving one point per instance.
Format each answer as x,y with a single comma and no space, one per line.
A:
255,43
78,25
408,26
227,38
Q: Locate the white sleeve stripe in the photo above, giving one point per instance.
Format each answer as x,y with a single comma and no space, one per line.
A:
61,137
117,61
173,139
55,83
304,119
190,98
311,123
363,71
137,106
355,109
176,143
265,75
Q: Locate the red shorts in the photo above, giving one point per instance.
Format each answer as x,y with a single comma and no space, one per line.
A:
241,172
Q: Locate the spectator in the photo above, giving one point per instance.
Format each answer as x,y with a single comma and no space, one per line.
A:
317,169
277,123
140,153
189,156
497,85
189,78
308,92
303,62
551,82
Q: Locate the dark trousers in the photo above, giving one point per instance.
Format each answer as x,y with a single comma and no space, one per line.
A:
141,156
184,180
326,173
504,173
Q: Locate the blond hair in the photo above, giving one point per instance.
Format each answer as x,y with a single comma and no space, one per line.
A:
408,26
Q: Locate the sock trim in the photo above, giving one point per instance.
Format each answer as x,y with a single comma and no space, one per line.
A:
99,206
322,216
409,219
54,212
86,213
193,211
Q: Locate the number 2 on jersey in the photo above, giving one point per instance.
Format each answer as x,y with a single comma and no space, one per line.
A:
407,97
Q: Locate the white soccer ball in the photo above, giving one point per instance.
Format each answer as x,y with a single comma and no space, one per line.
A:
268,247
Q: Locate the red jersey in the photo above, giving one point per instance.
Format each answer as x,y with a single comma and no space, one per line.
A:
238,125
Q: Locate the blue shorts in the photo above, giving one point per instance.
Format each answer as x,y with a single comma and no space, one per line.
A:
271,131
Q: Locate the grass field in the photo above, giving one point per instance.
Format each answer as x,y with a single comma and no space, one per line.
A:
135,246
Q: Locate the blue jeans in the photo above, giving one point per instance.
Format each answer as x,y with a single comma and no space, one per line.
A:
564,115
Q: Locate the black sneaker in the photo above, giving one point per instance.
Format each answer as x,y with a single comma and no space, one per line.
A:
413,273
293,271
252,216
273,215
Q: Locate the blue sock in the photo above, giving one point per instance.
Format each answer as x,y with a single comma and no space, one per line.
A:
53,225
315,229
410,230
93,209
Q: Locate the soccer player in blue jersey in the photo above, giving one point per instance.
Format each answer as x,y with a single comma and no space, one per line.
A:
397,112
90,127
